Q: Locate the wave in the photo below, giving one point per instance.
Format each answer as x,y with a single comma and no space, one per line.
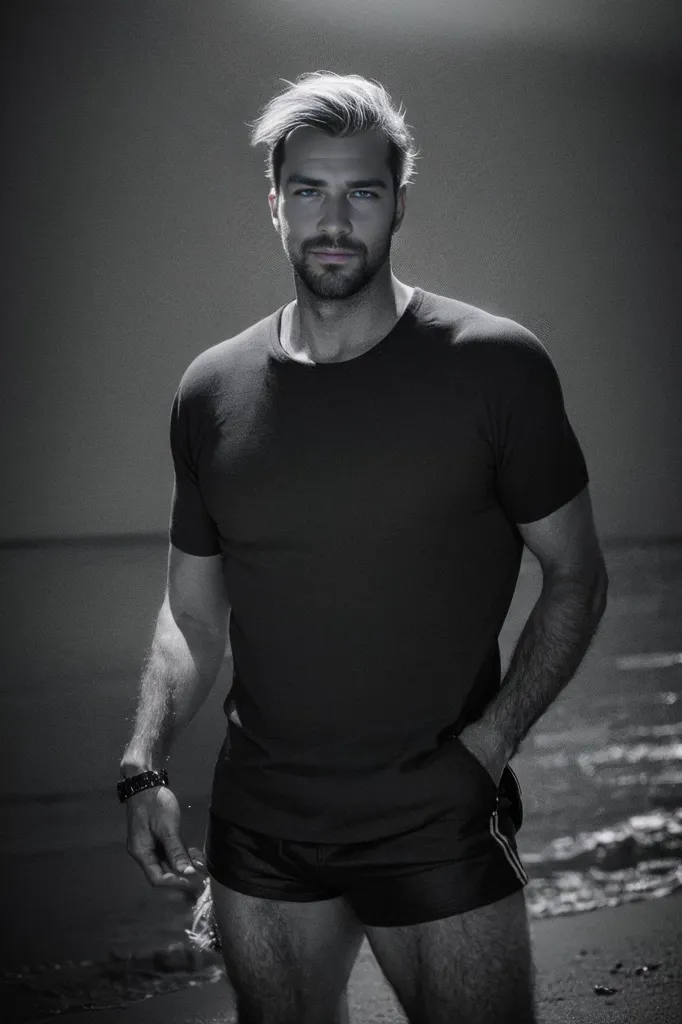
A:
641,858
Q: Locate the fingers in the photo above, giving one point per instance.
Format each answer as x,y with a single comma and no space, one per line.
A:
163,872
177,869
179,858
198,859
155,870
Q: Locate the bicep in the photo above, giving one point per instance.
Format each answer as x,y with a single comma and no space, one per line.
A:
565,542
195,590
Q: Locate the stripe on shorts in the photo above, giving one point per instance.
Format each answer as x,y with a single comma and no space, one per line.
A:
507,849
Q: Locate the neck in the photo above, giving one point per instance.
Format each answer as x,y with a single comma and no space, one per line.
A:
337,330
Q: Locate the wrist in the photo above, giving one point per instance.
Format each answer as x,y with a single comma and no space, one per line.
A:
135,764
129,787
487,740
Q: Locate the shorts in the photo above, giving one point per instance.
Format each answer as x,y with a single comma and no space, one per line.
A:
446,867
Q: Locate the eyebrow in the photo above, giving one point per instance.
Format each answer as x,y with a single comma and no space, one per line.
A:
319,183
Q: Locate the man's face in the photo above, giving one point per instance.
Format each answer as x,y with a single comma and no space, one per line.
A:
360,218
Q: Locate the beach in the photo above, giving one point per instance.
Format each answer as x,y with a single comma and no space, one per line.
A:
88,932
634,949
600,774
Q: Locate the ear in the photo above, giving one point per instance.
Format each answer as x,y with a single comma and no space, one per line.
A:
273,202
400,208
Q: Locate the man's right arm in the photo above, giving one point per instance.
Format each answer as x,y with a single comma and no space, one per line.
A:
186,655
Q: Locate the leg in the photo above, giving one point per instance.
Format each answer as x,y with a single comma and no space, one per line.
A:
472,968
288,962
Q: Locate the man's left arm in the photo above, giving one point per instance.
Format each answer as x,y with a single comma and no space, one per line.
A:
556,636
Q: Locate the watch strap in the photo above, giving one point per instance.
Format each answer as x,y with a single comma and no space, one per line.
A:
136,783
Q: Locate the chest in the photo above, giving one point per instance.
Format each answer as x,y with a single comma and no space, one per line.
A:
317,461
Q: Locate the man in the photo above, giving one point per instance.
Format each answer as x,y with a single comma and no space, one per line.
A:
355,478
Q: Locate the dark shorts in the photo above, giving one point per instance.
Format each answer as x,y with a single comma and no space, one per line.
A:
444,868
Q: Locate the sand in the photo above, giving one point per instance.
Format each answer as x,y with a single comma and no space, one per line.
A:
75,900
573,954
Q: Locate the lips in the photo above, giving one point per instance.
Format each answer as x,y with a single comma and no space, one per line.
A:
333,257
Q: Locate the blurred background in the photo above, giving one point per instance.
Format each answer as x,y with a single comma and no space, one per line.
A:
138,235
138,232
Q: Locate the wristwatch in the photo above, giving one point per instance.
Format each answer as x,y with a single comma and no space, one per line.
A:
136,783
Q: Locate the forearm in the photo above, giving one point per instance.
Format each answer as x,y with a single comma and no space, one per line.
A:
177,676
551,646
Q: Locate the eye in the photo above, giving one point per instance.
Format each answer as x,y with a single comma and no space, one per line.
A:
300,192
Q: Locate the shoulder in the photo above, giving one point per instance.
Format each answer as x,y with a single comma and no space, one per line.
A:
507,351
481,330
208,371
503,337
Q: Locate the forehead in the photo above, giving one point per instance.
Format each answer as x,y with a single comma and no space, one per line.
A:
313,149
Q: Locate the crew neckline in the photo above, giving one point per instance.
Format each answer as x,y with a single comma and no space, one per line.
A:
283,356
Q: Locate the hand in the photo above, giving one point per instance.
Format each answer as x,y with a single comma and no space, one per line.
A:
488,752
154,841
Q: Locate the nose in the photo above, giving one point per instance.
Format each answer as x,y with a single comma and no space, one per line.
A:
334,217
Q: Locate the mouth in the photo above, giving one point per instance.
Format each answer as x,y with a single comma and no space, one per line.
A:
327,256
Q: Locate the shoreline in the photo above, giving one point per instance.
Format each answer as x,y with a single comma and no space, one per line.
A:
87,901
632,949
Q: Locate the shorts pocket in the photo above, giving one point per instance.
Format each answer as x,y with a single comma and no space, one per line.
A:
515,782
515,798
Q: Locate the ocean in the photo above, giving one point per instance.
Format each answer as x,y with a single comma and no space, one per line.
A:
601,771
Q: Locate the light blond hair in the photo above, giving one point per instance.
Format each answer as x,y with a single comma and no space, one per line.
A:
340,105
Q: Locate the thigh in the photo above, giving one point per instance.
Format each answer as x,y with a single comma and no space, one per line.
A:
288,962
474,968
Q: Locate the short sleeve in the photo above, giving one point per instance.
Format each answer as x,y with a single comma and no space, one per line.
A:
539,462
191,527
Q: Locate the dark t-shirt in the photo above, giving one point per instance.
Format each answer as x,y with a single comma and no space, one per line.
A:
365,511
